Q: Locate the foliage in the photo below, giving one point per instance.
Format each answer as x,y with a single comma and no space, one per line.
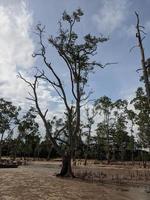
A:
28,137
8,118
142,117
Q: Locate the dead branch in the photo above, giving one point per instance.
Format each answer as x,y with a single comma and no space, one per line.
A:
43,116
140,44
132,48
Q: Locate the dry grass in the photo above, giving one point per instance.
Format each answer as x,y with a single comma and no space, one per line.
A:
117,173
37,182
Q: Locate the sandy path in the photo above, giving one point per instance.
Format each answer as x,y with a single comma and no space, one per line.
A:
37,182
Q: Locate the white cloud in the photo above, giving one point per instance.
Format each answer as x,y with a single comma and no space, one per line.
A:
16,48
111,15
16,56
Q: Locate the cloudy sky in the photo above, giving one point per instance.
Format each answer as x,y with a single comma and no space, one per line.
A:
112,18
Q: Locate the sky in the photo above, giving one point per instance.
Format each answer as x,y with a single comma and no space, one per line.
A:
112,18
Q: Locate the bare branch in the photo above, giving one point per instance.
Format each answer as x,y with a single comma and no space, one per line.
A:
34,86
135,46
142,38
61,140
31,95
111,63
139,70
43,55
86,103
30,99
87,96
59,131
141,26
70,70
45,113
21,77
143,32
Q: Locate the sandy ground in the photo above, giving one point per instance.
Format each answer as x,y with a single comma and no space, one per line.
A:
37,182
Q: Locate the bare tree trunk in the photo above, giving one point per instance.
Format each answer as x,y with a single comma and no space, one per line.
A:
74,158
66,170
132,145
132,156
85,159
88,146
113,154
144,160
1,146
108,157
49,152
122,154
143,61
108,140
0,152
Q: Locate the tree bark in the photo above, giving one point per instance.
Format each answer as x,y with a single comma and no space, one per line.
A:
113,155
85,159
144,159
1,145
66,170
0,152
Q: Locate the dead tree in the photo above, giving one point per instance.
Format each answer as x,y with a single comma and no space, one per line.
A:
145,67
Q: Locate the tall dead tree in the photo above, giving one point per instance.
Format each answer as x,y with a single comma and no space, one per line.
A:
77,58
144,62
145,67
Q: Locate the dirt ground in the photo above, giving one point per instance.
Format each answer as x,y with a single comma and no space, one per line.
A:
37,182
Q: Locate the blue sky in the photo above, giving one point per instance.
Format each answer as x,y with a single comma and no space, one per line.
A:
113,18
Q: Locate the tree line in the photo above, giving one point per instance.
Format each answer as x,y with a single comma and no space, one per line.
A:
109,131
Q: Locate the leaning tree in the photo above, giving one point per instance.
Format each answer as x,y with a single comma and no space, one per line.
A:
77,56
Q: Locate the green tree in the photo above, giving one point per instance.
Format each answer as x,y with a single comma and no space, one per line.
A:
131,115
90,115
142,119
28,137
101,141
104,106
77,56
8,120
120,137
